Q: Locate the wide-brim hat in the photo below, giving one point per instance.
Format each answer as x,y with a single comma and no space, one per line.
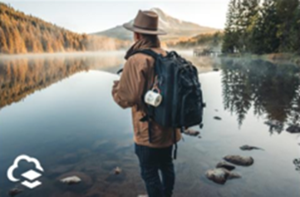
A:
146,22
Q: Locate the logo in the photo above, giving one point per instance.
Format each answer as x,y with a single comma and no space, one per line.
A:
30,175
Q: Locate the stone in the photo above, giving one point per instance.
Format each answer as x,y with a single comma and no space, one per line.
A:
217,118
225,165
118,170
293,129
247,147
239,160
71,180
221,175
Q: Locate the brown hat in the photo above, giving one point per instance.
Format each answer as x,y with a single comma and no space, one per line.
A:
146,22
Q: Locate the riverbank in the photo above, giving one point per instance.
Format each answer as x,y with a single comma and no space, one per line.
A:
273,57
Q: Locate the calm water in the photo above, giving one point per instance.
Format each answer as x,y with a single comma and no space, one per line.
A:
59,110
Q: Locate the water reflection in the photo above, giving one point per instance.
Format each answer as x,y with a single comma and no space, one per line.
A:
75,128
271,89
20,77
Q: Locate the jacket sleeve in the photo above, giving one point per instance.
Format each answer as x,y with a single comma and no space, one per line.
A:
128,91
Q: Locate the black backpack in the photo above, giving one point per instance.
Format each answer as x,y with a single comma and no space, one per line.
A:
182,104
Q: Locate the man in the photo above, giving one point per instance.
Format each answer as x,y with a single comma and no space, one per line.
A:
129,91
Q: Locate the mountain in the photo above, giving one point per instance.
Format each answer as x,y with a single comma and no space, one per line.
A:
176,28
21,33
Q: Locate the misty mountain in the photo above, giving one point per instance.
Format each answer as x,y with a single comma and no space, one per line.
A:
176,28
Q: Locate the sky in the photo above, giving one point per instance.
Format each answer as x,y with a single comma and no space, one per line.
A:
93,16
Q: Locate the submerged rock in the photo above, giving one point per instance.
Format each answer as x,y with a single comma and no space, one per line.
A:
225,165
15,191
217,118
71,180
191,132
293,129
239,160
118,170
296,161
221,175
247,147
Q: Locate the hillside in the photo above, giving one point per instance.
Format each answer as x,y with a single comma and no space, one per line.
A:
208,41
176,28
21,33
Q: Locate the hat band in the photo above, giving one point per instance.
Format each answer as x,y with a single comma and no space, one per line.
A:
146,28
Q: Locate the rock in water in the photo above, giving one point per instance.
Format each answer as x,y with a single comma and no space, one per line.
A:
217,118
247,147
71,180
221,175
293,129
191,132
118,170
239,160
14,192
225,165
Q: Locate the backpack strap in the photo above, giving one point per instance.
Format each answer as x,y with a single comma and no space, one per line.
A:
146,52
119,71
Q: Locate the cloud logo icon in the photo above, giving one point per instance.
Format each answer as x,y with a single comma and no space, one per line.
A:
30,175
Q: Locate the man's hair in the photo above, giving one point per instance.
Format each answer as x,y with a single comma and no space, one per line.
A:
152,38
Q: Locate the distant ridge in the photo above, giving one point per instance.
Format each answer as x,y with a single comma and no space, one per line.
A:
21,33
176,28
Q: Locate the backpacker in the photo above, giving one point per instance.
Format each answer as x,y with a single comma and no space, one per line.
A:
176,79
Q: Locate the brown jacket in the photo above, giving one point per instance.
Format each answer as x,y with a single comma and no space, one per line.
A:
136,79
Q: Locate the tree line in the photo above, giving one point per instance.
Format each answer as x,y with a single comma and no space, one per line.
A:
209,40
268,26
21,33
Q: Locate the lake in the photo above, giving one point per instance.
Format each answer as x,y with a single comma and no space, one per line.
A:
59,109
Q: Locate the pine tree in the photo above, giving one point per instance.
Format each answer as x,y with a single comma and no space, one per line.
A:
229,40
270,22
287,11
249,17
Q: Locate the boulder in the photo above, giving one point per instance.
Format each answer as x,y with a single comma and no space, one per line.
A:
293,129
71,180
75,177
239,160
221,175
225,165
217,118
247,147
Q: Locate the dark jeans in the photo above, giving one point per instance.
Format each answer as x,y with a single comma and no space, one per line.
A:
151,161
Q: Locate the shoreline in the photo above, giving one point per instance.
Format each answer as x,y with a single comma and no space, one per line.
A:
272,57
